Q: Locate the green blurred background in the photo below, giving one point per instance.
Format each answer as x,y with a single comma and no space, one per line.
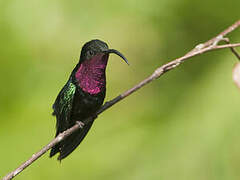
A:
183,126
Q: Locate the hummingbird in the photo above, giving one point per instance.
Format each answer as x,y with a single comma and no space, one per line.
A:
82,95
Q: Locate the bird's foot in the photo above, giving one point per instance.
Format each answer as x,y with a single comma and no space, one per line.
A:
80,124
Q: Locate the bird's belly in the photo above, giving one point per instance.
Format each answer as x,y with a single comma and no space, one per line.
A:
86,105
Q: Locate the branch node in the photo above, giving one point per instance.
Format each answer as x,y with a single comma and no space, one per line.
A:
217,40
231,48
199,46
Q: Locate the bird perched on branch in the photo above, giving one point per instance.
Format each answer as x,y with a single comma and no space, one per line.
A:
82,95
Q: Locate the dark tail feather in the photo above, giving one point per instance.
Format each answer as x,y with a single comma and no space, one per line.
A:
55,149
70,143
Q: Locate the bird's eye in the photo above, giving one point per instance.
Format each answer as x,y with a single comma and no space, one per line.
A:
90,52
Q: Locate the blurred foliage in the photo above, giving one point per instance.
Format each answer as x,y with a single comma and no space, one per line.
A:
183,126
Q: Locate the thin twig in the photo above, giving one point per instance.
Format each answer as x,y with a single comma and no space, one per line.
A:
216,38
210,45
232,48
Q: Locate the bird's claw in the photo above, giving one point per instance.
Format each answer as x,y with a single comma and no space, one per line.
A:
80,124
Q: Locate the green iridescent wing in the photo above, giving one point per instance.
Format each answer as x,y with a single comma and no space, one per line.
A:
63,106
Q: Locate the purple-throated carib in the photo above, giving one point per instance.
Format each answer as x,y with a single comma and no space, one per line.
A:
82,95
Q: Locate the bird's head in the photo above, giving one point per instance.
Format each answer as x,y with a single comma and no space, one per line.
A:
97,51
90,72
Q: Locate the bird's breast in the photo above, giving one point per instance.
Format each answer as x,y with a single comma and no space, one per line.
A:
91,79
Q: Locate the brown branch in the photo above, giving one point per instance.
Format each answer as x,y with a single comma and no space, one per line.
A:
199,49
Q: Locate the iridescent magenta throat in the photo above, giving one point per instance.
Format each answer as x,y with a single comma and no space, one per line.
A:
91,74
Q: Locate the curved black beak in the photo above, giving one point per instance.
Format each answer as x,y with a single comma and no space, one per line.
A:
108,51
